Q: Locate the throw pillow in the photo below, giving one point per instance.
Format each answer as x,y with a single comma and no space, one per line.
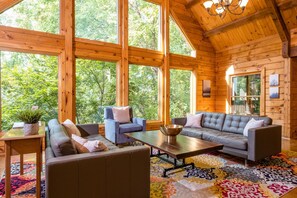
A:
252,124
88,146
121,114
194,120
71,128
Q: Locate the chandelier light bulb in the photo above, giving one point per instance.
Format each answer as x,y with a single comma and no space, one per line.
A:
220,10
216,2
227,2
207,4
243,3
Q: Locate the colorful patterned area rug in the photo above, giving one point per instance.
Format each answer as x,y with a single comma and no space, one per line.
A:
23,185
215,175
220,175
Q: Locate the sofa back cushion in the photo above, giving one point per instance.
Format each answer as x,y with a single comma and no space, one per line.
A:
213,120
60,142
236,123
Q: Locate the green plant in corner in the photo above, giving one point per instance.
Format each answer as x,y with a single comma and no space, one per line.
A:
30,116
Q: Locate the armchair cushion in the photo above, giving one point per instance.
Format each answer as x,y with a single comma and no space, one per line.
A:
130,127
121,114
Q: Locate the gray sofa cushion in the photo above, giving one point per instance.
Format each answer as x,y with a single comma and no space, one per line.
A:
237,123
52,122
213,120
60,142
195,132
231,140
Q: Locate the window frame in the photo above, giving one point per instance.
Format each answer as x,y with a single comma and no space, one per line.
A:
262,87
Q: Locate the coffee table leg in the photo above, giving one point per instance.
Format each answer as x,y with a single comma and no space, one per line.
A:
183,165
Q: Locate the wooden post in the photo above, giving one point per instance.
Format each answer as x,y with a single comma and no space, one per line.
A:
67,76
123,64
165,68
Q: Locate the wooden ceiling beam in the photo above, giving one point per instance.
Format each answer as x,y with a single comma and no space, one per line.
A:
6,4
238,22
287,4
280,26
293,52
192,3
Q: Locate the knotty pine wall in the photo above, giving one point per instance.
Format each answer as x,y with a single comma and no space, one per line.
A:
263,56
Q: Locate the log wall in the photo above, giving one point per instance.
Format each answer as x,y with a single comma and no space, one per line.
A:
263,56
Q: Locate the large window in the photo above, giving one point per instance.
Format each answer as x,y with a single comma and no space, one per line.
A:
143,91
28,80
40,15
180,92
246,91
95,89
97,20
144,24
178,42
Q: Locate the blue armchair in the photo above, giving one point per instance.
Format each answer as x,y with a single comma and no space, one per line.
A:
114,131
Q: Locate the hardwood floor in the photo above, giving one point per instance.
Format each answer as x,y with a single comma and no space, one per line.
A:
287,144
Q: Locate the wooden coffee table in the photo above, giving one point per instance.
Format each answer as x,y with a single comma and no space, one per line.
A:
183,148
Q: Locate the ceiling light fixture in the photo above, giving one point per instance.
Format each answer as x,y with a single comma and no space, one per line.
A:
221,7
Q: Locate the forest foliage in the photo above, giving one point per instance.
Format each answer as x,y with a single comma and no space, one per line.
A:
32,79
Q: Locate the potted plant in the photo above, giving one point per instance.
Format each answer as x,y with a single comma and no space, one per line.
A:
30,118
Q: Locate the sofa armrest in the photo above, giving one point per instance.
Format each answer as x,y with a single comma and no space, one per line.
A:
88,129
179,121
264,142
115,173
141,122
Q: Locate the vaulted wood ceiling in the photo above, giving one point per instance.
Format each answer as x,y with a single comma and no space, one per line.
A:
255,23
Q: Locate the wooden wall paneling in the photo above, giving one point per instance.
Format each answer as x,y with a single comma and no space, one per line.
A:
165,69
287,98
12,39
6,4
264,56
67,80
123,64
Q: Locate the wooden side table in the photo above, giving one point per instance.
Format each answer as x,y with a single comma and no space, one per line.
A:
16,142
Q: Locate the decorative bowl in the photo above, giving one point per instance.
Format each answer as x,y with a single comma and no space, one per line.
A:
171,130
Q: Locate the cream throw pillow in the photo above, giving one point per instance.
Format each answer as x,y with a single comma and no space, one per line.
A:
88,146
121,114
194,120
252,124
71,128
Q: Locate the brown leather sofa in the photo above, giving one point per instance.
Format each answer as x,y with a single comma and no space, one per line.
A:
118,172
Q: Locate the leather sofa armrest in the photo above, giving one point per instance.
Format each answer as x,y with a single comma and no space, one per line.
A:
114,173
179,121
88,129
264,142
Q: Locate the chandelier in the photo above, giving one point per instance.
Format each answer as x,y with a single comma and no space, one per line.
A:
223,6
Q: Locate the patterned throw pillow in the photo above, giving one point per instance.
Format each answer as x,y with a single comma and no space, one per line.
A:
194,120
87,146
71,128
121,114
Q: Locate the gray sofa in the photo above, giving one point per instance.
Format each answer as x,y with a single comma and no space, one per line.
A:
228,129
114,173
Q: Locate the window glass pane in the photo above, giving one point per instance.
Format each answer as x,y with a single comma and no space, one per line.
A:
254,84
180,83
178,42
144,24
97,20
143,91
39,15
28,80
95,89
239,86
